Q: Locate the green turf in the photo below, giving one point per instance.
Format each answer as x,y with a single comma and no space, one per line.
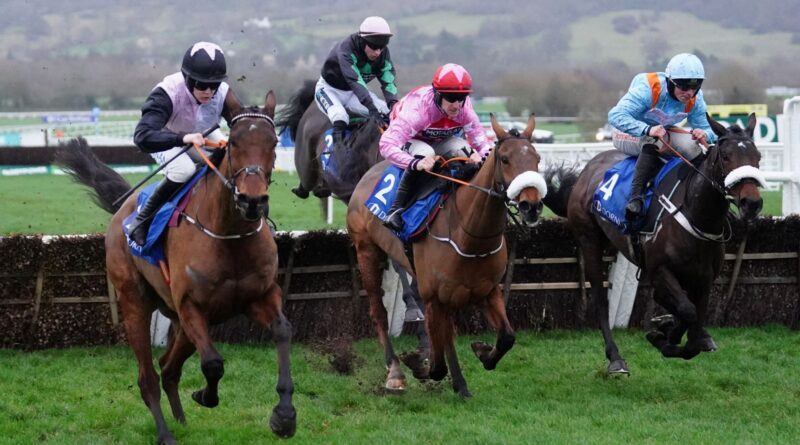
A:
550,388
54,205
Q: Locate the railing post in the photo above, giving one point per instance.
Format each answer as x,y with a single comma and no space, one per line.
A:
791,154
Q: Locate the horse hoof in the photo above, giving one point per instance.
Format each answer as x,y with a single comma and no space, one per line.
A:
464,394
321,192
419,366
284,426
672,351
618,367
657,339
300,192
202,399
482,351
395,386
166,439
707,345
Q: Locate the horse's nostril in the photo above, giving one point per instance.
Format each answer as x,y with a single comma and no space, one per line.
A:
524,206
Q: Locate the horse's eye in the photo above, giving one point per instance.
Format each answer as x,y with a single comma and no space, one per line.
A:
504,159
724,155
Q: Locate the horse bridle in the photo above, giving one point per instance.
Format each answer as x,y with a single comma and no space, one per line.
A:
230,182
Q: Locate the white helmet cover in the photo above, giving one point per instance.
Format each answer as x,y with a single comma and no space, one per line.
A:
374,26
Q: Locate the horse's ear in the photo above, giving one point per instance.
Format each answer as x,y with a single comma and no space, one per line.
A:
269,104
531,126
751,125
498,130
718,128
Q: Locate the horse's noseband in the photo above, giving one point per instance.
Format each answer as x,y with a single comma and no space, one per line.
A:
251,207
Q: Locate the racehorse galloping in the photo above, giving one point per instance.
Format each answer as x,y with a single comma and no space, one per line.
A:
353,158
681,260
228,268
460,261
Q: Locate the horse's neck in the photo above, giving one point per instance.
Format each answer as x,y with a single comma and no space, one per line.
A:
479,213
213,204
705,206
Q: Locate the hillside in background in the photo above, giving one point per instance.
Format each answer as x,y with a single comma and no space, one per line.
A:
553,57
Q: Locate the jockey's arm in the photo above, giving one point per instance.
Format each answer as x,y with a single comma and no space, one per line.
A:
150,134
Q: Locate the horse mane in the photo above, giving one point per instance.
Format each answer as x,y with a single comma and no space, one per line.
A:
289,116
354,159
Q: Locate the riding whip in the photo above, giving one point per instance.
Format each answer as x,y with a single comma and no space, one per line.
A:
160,167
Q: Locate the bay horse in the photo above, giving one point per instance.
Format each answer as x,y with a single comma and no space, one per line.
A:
308,125
459,262
681,260
226,266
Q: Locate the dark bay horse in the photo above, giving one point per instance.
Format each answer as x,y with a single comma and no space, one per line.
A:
680,260
225,267
308,124
360,152
460,261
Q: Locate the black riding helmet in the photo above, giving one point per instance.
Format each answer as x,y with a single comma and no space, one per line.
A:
204,62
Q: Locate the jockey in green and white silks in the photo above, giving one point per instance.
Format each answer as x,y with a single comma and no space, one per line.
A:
350,65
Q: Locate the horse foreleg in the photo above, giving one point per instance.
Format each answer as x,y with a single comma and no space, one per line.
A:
178,350
459,382
269,313
371,276
593,260
698,337
672,297
136,320
495,312
440,329
195,326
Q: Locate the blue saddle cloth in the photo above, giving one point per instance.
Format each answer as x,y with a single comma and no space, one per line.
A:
329,158
153,249
611,196
383,196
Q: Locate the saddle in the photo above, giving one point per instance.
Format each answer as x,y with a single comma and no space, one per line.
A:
166,216
613,193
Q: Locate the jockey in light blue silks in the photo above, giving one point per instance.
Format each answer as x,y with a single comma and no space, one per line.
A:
175,113
654,102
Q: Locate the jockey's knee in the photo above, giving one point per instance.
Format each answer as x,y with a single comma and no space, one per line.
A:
180,171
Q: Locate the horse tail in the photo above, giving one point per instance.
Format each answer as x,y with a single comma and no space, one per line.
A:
78,160
354,159
289,116
560,182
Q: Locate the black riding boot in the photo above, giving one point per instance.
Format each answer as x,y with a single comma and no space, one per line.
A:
647,166
338,131
407,187
161,194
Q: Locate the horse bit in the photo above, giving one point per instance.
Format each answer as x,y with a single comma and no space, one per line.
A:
230,183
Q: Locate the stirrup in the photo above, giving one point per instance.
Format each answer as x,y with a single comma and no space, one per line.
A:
634,208
394,220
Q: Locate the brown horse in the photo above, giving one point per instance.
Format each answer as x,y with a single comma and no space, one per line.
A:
308,124
681,260
459,262
228,266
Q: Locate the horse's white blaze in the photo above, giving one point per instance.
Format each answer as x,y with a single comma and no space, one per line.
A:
524,180
745,172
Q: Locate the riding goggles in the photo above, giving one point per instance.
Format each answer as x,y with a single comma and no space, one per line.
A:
377,42
202,86
687,84
454,97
